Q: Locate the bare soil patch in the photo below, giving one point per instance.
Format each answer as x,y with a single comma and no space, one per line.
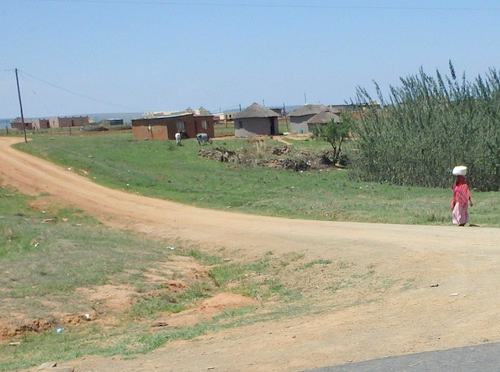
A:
378,292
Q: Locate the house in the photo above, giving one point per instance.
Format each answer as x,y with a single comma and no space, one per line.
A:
225,117
69,121
299,117
17,123
56,122
322,118
41,123
256,120
163,128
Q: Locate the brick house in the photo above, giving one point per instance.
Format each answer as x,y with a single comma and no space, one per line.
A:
69,121
17,123
56,122
164,127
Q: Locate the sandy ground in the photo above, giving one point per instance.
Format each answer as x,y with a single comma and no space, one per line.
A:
462,310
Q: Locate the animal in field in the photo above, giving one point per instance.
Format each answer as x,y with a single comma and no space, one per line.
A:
178,138
203,139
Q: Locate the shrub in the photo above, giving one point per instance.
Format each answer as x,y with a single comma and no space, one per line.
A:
428,126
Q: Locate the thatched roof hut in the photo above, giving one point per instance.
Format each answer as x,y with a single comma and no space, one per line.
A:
300,116
322,118
256,120
256,111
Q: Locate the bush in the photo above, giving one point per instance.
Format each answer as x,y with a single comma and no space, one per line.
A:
428,126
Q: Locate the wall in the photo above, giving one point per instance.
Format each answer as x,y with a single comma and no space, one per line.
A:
163,129
253,127
299,123
153,133
73,121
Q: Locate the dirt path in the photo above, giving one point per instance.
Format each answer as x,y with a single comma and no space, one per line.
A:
399,321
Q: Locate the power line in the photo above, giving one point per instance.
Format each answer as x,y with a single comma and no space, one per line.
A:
282,6
76,93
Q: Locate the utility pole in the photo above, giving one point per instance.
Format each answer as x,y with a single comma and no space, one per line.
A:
21,106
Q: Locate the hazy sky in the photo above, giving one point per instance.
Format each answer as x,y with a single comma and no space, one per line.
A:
89,56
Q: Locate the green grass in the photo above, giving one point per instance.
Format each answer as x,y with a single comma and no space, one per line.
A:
163,170
38,258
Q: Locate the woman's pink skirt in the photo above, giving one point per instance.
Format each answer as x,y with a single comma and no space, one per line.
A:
460,214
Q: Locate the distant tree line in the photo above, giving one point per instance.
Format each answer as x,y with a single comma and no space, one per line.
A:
426,127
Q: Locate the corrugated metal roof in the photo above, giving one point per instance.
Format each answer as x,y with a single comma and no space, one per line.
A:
174,115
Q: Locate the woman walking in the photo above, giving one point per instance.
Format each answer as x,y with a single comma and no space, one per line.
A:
461,198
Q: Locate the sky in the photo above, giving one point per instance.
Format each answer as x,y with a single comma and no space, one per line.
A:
78,57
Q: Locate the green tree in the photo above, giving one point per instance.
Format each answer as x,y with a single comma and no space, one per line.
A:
335,133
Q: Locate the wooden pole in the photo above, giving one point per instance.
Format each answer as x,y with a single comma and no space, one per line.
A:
21,106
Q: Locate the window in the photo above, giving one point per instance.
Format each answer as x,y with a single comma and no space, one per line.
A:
180,125
204,124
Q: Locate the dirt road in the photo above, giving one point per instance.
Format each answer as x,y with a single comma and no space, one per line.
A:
462,310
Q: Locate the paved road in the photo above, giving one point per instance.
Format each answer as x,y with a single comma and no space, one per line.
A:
484,358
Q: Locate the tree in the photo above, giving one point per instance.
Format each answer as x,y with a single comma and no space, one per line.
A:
335,133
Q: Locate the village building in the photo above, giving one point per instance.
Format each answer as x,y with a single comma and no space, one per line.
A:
256,120
164,128
299,117
322,118
69,121
225,117
56,122
17,123
41,123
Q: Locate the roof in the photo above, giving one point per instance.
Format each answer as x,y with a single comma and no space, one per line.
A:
19,120
256,111
171,116
308,110
324,117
